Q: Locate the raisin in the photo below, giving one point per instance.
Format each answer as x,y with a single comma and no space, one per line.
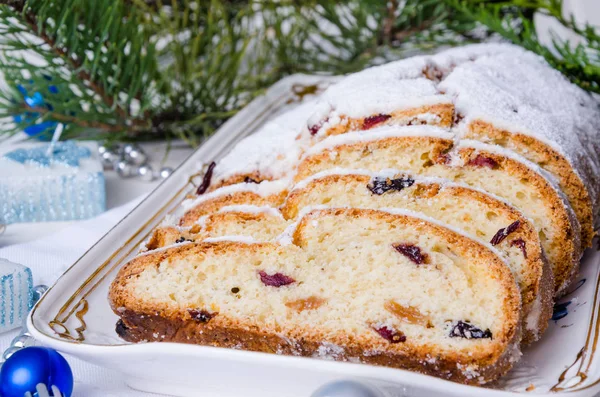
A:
250,180
310,303
412,252
121,329
390,334
482,161
182,239
316,127
202,316
504,232
467,330
235,290
206,180
521,244
275,280
372,121
381,185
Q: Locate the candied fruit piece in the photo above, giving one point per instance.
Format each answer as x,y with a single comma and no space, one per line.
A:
483,161
206,180
407,313
467,330
520,243
444,159
202,316
412,252
310,303
316,127
275,280
504,232
390,334
379,185
372,121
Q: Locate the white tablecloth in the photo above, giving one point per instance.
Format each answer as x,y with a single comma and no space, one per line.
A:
48,257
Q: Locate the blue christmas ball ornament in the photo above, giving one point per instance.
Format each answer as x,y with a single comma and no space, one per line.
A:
41,130
28,367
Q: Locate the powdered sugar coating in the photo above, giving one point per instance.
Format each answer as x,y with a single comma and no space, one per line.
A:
264,189
272,151
518,92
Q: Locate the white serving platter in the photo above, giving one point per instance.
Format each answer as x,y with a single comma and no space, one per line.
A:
74,315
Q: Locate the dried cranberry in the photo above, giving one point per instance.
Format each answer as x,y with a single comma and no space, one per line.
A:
468,331
250,180
482,161
201,315
521,244
381,185
206,180
275,280
372,121
316,127
504,232
391,335
412,252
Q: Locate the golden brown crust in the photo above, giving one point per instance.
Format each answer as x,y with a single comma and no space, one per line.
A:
549,159
215,204
444,112
137,327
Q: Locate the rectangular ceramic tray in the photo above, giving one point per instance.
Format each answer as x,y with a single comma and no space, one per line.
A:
74,316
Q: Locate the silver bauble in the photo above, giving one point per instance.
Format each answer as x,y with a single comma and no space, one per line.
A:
128,148
146,173
108,158
102,149
137,156
124,169
165,172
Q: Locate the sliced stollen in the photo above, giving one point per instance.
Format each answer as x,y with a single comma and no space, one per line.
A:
473,211
265,193
430,151
401,291
497,94
255,222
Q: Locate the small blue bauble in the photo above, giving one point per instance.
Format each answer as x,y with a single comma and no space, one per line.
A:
32,365
345,388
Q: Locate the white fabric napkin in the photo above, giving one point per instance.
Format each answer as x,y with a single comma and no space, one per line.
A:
48,258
